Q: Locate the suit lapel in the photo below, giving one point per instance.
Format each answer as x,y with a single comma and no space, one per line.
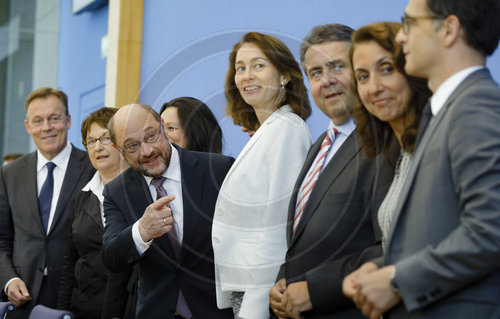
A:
71,177
138,195
192,187
293,200
93,209
28,173
422,146
338,163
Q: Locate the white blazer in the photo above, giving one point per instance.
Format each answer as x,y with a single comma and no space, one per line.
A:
248,233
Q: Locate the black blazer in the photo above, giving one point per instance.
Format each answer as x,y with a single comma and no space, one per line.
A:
160,274
87,288
24,247
338,230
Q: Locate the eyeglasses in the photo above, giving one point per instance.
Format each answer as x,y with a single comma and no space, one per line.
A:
91,142
406,20
133,147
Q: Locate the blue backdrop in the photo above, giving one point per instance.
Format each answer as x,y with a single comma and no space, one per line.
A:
186,46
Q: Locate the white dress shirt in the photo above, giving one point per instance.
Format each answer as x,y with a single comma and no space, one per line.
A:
447,87
344,131
173,186
61,160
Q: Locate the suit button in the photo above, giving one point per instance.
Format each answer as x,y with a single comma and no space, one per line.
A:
220,212
216,239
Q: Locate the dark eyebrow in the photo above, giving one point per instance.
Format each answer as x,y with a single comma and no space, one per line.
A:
379,61
385,57
99,136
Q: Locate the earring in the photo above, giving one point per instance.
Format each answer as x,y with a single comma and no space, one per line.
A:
283,84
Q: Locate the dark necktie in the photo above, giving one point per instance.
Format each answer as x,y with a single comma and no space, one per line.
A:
424,122
45,197
182,308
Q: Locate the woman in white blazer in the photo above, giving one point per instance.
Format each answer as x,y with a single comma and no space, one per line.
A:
265,93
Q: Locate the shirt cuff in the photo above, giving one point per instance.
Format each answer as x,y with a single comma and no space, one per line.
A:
140,245
8,283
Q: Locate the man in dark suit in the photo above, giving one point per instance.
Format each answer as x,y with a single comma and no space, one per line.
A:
168,238
443,253
332,219
36,193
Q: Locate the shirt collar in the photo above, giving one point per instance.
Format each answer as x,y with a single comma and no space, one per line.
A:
95,185
346,128
447,87
173,171
61,160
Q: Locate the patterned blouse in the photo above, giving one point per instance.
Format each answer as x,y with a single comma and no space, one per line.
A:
388,206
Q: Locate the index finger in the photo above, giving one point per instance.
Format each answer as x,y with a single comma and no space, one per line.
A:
163,201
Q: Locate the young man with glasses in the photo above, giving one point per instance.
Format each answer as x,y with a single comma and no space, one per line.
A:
36,194
159,216
443,256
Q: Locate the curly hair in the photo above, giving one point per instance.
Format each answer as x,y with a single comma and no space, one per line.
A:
378,136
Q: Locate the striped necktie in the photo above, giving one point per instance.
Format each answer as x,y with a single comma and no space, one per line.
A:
312,176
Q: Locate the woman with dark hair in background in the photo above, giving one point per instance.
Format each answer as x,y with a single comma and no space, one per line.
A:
191,125
391,104
87,288
265,93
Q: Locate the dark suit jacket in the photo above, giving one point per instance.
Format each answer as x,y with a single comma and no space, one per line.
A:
87,287
160,274
338,230
24,247
445,239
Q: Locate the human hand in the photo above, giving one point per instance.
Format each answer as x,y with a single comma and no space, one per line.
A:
351,281
18,293
296,299
275,296
374,295
157,219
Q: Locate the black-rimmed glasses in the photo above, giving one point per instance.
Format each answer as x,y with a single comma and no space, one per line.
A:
91,142
133,147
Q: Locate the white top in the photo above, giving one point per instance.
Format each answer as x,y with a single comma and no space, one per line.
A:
447,87
249,225
173,186
96,186
61,160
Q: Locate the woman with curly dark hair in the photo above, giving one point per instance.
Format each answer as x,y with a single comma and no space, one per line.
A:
391,104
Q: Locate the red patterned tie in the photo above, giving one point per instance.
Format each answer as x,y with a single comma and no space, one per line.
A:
312,176
182,307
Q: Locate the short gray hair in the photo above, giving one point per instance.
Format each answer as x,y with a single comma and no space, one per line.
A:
324,33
